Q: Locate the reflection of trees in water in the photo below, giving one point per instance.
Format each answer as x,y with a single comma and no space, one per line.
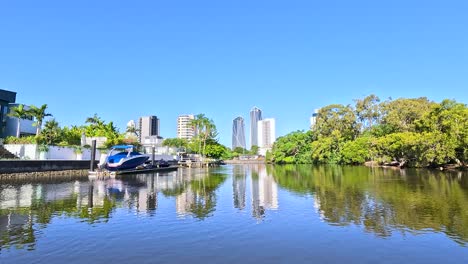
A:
26,207
204,194
383,200
17,230
34,207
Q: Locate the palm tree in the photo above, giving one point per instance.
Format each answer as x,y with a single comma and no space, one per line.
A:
198,123
94,120
39,113
133,130
19,112
205,129
210,131
51,132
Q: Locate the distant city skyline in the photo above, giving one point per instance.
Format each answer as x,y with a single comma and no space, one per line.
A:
221,58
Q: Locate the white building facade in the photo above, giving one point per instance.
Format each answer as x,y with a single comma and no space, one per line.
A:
185,128
313,119
266,134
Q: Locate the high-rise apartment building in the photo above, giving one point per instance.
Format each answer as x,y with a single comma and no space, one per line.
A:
149,126
185,128
266,133
255,116
238,133
313,119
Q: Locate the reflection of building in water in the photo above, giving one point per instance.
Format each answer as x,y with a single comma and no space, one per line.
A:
264,192
268,190
185,201
239,187
319,211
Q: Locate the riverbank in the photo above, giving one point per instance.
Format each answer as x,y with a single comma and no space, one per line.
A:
43,174
397,165
244,161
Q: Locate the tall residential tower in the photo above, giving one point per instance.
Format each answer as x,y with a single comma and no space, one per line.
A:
185,128
266,133
149,126
238,133
255,116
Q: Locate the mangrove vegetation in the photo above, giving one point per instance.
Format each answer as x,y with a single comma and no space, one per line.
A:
413,132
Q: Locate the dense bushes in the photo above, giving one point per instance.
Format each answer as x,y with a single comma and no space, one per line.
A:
21,140
416,132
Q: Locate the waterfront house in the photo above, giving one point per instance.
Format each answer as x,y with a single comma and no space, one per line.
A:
6,98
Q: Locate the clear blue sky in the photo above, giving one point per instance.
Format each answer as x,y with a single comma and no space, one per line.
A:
125,59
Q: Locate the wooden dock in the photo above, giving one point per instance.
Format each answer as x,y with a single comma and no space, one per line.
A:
133,171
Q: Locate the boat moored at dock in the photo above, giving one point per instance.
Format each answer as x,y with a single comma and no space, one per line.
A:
124,157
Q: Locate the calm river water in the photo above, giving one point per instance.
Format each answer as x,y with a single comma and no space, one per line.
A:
238,214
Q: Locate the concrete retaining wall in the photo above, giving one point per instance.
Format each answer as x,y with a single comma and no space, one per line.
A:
18,166
30,152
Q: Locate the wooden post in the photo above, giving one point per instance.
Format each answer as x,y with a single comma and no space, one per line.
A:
93,154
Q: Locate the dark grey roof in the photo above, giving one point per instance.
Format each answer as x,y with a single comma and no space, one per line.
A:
7,96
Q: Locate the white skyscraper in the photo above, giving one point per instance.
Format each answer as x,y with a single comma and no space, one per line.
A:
255,116
313,119
266,133
185,128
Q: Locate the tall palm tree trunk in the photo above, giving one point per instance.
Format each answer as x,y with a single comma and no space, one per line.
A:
38,128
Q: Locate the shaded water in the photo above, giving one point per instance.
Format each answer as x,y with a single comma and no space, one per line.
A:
232,214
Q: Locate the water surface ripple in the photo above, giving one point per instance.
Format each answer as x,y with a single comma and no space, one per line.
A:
239,214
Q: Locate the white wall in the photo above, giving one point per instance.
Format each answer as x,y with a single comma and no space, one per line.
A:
23,151
100,141
30,152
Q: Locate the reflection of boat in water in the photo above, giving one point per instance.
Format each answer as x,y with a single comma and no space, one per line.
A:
123,157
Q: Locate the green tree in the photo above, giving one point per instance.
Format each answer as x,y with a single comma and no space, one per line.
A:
205,130
94,120
368,110
253,150
71,135
97,127
451,119
39,113
357,151
240,150
215,150
339,118
19,112
295,147
175,142
51,133
401,115
133,130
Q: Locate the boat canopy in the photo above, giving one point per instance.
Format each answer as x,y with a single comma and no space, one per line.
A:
122,146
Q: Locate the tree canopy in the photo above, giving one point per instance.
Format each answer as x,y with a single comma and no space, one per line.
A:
415,132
